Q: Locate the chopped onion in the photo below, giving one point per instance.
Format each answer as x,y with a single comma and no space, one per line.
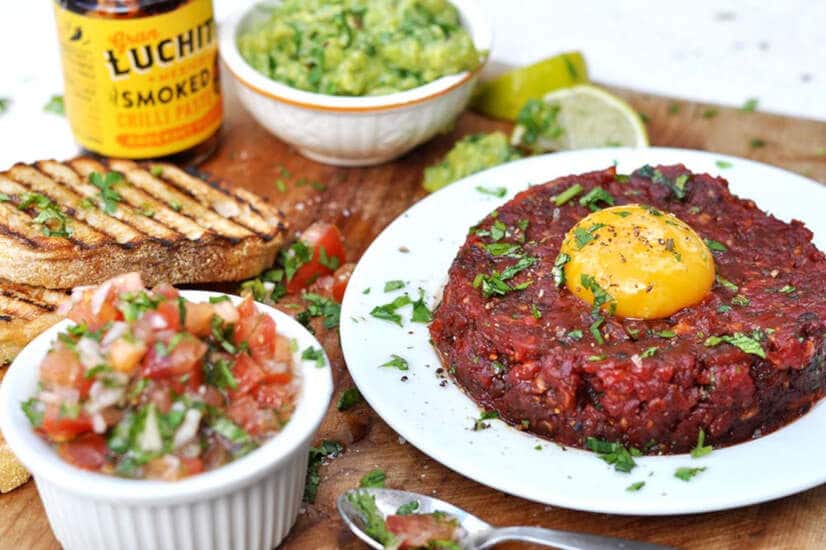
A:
102,396
637,360
226,311
188,428
157,322
98,423
149,441
119,328
89,352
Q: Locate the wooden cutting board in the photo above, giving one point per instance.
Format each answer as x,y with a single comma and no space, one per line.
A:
362,201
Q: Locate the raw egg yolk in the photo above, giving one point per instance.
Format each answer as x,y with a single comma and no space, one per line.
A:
636,261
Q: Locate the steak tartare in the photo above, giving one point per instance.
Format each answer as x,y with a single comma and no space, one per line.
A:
746,360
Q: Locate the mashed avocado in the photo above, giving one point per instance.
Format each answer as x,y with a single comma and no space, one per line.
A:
359,47
469,155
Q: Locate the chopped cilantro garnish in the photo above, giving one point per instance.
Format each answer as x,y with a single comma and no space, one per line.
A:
710,113
4,104
396,362
746,344
787,289
105,184
575,334
664,333
319,306
390,286
231,431
494,283
723,308
55,105
685,473
348,399
135,304
156,170
600,296
613,453
723,164
421,313
701,449
373,479
327,449
585,236
294,257
330,262
725,283
757,143
558,270
750,105
535,312
595,358
740,300
493,191
596,196
219,374
649,352
314,354
387,312
716,246
281,185
538,119
677,186
568,194
622,213
636,486
594,329
54,221
502,249
479,423
408,508
33,410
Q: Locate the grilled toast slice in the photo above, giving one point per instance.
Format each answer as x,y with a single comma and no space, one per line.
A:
25,312
84,221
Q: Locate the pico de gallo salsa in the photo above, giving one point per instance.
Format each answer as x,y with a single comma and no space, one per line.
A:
149,385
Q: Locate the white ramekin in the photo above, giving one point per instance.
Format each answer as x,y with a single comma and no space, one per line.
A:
251,503
352,131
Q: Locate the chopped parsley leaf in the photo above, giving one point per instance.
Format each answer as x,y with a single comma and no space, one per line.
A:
33,410
387,312
408,508
575,334
535,312
390,286
105,184
636,486
54,221
613,453
723,308
585,236
294,257
373,479
373,523
596,196
725,283
349,398
622,213
55,105
493,191
677,186
156,170
479,423
685,473
568,194
723,164
701,449
396,362
558,270
319,306
330,262
595,358
750,105
538,119
600,296
494,283
327,449
649,352
314,354
787,289
716,246
664,333
502,249
746,344
594,329
421,313
740,300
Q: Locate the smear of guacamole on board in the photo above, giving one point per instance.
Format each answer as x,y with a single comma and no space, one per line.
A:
469,155
359,47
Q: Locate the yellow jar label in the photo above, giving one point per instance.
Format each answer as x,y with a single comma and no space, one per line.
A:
141,87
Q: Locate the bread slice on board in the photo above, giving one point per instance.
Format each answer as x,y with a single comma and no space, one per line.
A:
25,312
72,223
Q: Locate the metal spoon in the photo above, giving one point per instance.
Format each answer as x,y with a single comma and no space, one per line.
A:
478,534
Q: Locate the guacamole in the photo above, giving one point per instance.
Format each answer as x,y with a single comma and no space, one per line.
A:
469,155
359,47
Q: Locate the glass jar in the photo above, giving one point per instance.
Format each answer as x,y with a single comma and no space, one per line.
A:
141,77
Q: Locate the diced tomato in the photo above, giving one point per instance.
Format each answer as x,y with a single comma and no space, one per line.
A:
82,314
171,314
247,320
167,291
63,428
247,374
191,466
340,279
273,396
317,236
62,367
126,354
262,339
182,359
199,318
245,412
87,451
418,530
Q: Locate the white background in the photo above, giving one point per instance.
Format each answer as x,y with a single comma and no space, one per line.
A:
714,51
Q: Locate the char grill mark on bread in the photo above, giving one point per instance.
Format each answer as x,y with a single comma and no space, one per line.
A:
167,224
24,312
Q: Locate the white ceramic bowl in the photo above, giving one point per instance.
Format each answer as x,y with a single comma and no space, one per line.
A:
251,503
352,131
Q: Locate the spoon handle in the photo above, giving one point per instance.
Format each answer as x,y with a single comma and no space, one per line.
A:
561,539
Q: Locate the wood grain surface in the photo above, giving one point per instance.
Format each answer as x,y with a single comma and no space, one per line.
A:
362,201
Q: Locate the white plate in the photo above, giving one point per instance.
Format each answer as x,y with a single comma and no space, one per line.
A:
438,419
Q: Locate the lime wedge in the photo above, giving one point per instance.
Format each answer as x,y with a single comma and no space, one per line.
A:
588,117
505,95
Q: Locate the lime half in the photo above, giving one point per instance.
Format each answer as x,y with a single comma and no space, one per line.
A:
588,117
503,96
